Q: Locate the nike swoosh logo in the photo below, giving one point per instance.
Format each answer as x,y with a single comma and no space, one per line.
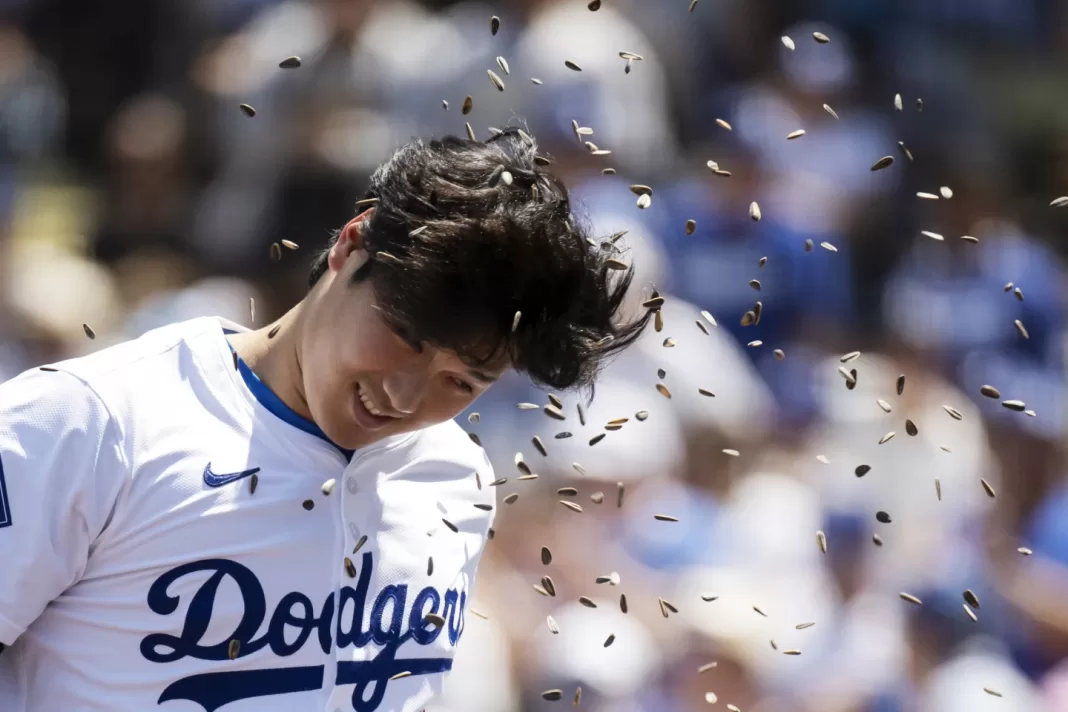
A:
212,479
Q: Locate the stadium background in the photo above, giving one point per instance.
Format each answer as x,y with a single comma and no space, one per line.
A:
133,192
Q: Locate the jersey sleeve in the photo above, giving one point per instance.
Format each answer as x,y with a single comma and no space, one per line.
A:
61,469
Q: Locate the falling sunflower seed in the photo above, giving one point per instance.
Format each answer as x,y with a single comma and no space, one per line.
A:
927,196
821,541
234,649
760,611
497,82
938,488
754,213
467,106
910,428
946,192
503,64
1022,329
910,598
89,331
571,505
820,37
552,695
706,667
788,43
898,104
779,354
586,602
308,505
884,162
887,438
665,518
328,487
644,201
901,384
1025,551
798,133
862,470
987,488
876,539
882,517
249,111
803,626
572,66
990,392
953,412
290,62
1016,405
723,124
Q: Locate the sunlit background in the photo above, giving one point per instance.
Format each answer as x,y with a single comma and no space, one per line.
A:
134,192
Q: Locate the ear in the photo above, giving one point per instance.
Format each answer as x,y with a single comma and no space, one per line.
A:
350,241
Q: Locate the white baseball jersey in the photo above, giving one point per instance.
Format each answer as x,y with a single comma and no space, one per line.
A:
140,571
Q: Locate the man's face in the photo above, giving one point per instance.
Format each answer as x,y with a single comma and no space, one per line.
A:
364,381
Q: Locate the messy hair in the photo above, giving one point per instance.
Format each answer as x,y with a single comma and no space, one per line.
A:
465,234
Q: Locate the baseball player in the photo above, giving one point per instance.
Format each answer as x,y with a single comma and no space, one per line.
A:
211,518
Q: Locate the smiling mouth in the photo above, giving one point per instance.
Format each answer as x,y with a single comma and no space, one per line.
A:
371,406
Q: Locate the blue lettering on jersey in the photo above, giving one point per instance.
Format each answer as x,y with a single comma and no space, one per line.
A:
5,506
387,627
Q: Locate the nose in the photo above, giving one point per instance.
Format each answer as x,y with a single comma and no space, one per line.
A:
406,389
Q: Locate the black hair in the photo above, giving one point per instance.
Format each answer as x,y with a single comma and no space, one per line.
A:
465,234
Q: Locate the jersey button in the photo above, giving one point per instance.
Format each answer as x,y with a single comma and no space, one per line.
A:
351,485
354,530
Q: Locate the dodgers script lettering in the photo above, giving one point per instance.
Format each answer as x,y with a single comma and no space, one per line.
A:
392,622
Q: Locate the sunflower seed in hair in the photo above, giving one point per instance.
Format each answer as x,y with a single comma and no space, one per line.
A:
723,124
89,331
552,695
468,105
249,111
495,24
497,82
365,201
910,428
882,517
593,6
470,131
862,470
884,162
572,66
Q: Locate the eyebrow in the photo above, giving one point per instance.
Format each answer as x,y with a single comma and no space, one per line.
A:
483,377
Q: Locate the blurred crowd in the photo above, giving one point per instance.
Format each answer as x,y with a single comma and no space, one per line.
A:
134,192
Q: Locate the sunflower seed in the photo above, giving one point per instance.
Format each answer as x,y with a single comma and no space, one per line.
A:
1031,413
350,568
938,488
554,412
845,374
760,611
89,331
723,124
884,405
946,192
993,692
620,490
328,487
593,6
253,483
706,667
484,507
1018,294
549,586
640,189
821,541
798,133
706,393
779,354
466,108
990,392
654,303
852,382
503,64
665,518
953,412
234,649
495,24
823,459
882,517
511,498
711,698
1017,405
862,470
1022,329
724,174
970,598
586,602
910,428
691,227
308,505
572,66
571,505
884,162
876,539
615,264
732,708
535,80
644,201
754,212
886,438
732,453
788,43
249,111
1025,551
1059,202
693,4
904,150
497,82
566,492
808,245
987,488
927,196
969,238
755,284
290,62
910,598
820,37
359,544
898,103
665,604
708,598
932,235
471,131
541,590
803,626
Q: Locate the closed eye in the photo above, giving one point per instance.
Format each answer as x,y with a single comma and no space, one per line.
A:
462,385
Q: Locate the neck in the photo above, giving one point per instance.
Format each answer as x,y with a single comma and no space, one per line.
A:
276,360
